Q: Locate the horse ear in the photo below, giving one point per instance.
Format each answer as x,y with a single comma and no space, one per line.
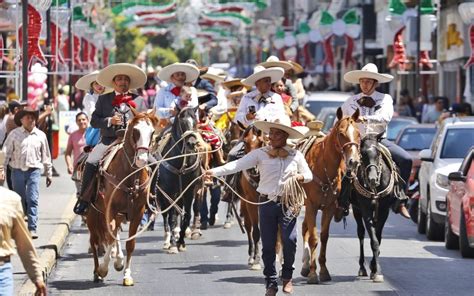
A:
356,114
339,113
151,111
241,126
134,111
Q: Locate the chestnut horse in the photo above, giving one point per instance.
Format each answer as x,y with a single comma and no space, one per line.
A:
328,159
122,197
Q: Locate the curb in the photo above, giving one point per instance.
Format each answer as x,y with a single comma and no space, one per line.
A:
51,251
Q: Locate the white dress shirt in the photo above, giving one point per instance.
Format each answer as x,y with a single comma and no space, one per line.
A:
273,171
381,112
265,111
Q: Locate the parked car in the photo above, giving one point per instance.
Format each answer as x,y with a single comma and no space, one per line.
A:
451,143
397,124
328,116
315,101
459,229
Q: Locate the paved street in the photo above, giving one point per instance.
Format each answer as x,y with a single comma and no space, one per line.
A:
216,265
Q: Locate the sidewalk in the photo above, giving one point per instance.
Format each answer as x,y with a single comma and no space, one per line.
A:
55,217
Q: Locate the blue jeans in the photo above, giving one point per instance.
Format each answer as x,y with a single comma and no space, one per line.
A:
271,215
6,279
401,158
26,184
215,199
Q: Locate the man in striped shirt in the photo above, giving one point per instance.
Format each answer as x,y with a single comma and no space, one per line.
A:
27,151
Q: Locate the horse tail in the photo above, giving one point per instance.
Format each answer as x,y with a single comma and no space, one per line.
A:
99,234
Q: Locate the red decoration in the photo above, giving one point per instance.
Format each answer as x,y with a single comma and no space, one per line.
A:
425,59
1,50
471,38
34,29
56,36
281,54
85,50
307,56
92,53
348,59
76,46
399,57
329,56
105,57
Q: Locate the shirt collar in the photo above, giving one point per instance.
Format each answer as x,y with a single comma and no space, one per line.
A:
33,131
117,93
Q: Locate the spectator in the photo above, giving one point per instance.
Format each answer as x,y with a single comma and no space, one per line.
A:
406,107
433,115
12,227
26,150
3,121
62,101
76,142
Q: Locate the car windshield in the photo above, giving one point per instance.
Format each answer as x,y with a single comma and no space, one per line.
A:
414,139
316,106
457,142
394,127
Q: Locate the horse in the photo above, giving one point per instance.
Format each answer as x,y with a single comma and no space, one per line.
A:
248,182
175,175
372,198
120,196
327,159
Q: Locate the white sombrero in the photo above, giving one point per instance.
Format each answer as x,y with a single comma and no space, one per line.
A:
273,61
369,71
259,72
282,123
85,82
191,71
296,67
214,74
137,76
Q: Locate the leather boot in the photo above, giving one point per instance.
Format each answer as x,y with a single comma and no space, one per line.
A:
89,180
271,291
402,210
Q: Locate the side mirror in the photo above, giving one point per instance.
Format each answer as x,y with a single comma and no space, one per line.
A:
425,155
457,176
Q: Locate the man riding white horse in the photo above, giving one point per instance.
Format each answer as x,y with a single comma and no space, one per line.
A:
121,77
375,107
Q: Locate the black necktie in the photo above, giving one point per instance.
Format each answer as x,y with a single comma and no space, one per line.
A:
366,102
262,99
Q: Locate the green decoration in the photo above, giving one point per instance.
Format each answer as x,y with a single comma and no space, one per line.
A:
280,34
351,17
427,7
244,19
77,14
304,28
261,4
326,18
397,7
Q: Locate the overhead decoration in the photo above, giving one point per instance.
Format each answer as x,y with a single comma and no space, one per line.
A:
348,27
56,39
302,39
35,23
143,7
466,10
2,48
279,43
76,50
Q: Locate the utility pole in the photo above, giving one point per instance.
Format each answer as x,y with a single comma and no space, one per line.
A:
418,85
25,60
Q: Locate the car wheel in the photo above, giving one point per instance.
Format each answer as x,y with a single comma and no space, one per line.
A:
451,240
413,210
466,250
421,220
434,231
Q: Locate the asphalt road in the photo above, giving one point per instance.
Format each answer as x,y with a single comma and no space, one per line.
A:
216,264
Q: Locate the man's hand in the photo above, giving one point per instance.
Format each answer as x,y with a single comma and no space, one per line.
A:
70,169
300,178
48,181
207,178
173,111
362,119
40,289
251,116
116,120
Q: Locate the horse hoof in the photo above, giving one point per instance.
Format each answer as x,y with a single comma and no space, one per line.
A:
251,261
227,225
325,277
196,235
313,278
378,278
304,272
128,282
187,232
182,248
256,266
362,272
102,272
166,246
98,279
118,266
173,250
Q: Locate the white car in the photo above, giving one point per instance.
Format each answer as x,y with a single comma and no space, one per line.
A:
315,101
450,145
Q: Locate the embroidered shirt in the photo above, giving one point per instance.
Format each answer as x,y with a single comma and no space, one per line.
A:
271,109
273,171
25,150
165,101
382,111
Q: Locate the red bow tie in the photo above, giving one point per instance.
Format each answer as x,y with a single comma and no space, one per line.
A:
123,98
176,91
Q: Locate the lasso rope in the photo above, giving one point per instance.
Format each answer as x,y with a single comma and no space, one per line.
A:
293,196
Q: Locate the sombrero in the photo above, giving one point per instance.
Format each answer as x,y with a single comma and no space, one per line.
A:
202,69
259,72
282,123
297,67
27,110
273,61
137,76
191,71
234,82
213,74
368,71
201,92
314,127
84,83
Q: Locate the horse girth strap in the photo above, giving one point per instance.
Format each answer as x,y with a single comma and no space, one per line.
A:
129,190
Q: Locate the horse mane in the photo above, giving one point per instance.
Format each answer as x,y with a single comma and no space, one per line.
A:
247,130
139,116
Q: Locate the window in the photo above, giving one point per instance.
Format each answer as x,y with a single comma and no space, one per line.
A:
416,139
457,142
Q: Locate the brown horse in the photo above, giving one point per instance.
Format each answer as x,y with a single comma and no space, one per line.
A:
327,159
253,139
120,196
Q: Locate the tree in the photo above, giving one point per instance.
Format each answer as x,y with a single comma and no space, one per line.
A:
129,42
163,56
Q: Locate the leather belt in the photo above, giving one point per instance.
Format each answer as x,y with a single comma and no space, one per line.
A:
264,197
5,259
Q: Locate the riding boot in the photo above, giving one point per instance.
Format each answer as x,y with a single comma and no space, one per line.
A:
399,206
89,181
344,197
219,155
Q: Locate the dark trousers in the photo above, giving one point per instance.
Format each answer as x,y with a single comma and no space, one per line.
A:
215,198
271,215
401,158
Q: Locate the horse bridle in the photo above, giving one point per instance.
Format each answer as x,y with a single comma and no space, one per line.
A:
136,150
344,146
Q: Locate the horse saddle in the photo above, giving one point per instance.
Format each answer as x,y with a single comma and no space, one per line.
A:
110,154
79,167
305,144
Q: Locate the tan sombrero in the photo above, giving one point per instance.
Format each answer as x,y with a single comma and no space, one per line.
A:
282,123
201,92
297,67
259,72
234,82
273,61
137,76
213,74
368,71
27,110
85,82
191,71
314,127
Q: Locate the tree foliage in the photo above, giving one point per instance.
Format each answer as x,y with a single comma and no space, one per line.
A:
163,56
129,43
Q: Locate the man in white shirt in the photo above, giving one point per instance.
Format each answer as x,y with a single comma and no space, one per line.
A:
376,107
277,164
